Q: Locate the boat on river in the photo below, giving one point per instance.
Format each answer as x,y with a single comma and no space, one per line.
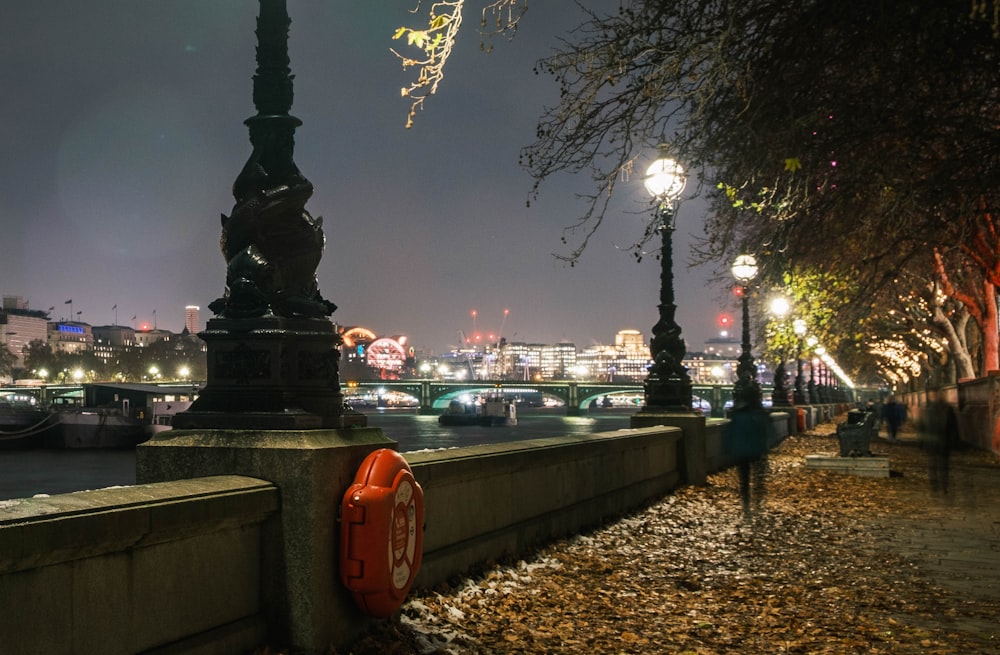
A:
95,427
492,410
93,416
24,427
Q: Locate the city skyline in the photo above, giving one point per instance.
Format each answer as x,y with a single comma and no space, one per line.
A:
187,318
129,136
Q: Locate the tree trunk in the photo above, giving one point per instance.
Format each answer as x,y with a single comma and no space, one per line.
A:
991,330
953,330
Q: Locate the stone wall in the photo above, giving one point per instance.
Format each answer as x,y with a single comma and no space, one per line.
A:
135,569
978,406
202,564
486,502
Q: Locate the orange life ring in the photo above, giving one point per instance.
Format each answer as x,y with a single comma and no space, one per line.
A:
381,533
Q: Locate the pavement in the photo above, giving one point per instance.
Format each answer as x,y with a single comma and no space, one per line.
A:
825,563
955,536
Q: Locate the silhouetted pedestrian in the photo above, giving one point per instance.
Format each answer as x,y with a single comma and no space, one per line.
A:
893,413
746,438
938,434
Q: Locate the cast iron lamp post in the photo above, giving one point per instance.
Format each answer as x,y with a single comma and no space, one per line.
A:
779,309
811,385
746,389
667,386
273,354
800,395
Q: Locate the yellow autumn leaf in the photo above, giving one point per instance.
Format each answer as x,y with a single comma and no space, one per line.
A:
792,164
417,38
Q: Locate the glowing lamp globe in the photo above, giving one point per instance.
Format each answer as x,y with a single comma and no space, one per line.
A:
744,268
665,179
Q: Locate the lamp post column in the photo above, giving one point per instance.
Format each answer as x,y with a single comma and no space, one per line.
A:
780,307
800,395
273,354
746,389
667,389
667,386
746,372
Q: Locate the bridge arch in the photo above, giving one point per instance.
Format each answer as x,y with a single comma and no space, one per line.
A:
434,395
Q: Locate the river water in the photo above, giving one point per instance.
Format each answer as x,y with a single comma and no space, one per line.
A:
27,473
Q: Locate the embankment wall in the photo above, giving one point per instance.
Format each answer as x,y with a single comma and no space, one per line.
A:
182,566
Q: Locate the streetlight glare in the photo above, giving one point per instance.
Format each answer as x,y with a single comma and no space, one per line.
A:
665,179
780,306
744,268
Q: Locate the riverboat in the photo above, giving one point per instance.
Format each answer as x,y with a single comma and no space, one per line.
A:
163,414
95,427
24,427
93,416
492,411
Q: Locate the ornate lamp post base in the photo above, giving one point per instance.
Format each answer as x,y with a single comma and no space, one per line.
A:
669,394
779,396
270,373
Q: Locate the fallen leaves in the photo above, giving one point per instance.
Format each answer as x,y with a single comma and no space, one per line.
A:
812,571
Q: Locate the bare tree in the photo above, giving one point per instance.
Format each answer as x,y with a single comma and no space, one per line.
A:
846,138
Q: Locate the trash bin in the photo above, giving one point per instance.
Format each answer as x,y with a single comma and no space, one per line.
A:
855,416
800,420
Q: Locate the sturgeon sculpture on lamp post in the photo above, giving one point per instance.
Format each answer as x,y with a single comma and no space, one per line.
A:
273,353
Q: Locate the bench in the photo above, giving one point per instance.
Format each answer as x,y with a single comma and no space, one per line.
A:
855,437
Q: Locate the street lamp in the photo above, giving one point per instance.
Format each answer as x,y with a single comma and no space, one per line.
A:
667,387
780,307
800,395
811,385
746,389
273,353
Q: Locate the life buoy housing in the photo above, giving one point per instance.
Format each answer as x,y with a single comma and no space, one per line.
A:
381,533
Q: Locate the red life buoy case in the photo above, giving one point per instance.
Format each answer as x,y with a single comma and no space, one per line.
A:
381,533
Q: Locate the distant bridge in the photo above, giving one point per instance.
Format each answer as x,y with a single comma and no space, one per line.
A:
434,395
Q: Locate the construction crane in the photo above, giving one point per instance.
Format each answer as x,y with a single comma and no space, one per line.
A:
500,347
463,343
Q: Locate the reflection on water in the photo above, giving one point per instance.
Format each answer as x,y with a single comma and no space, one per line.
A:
26,473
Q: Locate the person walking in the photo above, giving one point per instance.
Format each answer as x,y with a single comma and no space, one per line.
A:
938,434
747,438
893,414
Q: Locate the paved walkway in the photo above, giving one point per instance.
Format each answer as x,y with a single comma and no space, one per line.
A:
955,537
827,563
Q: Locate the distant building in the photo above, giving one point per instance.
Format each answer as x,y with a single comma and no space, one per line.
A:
724,345
146,338
20,325
112,340
626,361
521,361
70,336
192,320
706,368
558,361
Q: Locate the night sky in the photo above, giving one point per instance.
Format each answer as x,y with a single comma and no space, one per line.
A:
121,132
